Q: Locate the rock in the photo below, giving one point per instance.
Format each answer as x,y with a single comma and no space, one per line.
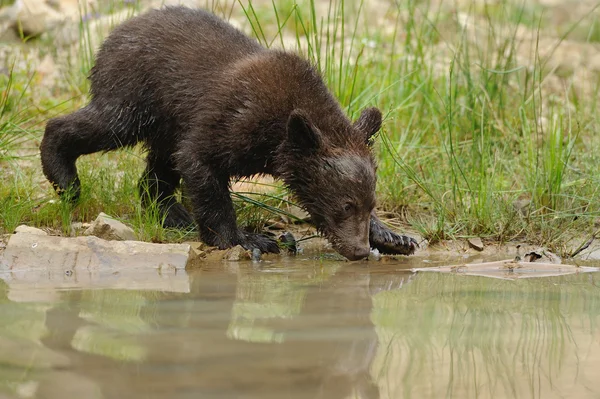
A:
34,17
236,254
7,34
33,252
109,229
23,229
256,254
475,243
510,269
198,248
34,265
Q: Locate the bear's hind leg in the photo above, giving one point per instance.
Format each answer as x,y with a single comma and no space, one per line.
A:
65,139
158,184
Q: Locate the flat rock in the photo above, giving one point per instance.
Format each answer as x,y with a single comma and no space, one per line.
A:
31,252
30,230
475,243
32,263
510,269
109,229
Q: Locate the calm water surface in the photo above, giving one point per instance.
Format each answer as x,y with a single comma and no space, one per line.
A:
308,329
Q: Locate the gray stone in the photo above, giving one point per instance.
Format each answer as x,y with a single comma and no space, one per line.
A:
475,243
510,269
256,255
30,252
32,265
109,229
34,17
23,229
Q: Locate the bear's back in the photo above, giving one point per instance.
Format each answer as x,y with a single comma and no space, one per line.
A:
160,54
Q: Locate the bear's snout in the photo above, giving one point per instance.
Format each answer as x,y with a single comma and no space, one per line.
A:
359,253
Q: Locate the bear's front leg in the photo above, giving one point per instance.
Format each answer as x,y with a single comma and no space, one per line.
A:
214,213
388,242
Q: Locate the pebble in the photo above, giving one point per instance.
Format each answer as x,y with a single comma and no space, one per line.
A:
256,254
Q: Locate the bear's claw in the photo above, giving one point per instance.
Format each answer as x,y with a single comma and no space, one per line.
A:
388,242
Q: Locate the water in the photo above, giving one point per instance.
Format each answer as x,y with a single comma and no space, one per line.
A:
308,329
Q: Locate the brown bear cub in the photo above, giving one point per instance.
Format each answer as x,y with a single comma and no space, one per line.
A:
211,104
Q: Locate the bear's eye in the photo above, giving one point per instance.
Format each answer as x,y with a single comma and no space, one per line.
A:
348,206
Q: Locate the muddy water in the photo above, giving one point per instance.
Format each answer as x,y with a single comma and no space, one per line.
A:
308,329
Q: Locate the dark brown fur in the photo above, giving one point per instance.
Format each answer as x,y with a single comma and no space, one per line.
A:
210,104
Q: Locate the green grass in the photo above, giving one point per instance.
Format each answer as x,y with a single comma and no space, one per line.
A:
480,115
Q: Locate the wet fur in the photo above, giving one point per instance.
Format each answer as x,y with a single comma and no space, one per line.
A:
209,104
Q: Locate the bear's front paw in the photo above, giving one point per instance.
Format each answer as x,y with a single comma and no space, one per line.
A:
260,241
388,242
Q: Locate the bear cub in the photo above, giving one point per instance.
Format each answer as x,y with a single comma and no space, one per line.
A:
210,104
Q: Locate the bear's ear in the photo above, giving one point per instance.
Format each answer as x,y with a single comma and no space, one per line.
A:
369,122
302,134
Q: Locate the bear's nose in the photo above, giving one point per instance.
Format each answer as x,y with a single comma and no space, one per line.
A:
361,253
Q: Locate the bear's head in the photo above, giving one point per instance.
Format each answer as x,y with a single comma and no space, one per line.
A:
335,181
